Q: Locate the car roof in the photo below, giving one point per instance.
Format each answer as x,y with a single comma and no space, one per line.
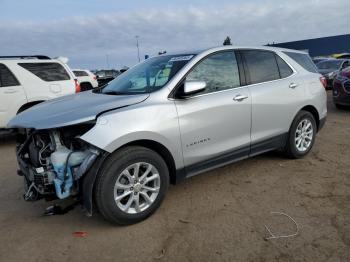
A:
229,47
30,60
41,57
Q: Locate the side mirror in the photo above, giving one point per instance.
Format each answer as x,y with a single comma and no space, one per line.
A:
193,87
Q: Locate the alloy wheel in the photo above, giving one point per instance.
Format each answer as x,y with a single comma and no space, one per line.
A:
137,187
304,135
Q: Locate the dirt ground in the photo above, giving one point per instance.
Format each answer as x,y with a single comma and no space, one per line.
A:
218,216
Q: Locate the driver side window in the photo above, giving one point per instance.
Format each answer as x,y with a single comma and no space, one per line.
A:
219,71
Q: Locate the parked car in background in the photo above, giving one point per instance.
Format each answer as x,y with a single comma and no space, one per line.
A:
330,68
341,89
165,119
86,79
28,80
316,60
105,76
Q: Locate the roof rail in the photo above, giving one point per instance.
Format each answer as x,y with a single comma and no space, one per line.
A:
26,57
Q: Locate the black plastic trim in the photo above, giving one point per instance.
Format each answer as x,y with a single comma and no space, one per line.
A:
270,144
273,143
240,63
217,161
321,123
88,183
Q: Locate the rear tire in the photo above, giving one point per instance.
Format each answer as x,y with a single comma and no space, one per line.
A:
301,135
125,196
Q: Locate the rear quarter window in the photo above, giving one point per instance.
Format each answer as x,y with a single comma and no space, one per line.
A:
304,60
284,68
7,78
47,71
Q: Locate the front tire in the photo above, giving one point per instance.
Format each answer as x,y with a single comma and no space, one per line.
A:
131,185
301,135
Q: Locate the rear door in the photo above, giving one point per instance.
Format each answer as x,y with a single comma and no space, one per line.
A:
276,95
215,124
12,95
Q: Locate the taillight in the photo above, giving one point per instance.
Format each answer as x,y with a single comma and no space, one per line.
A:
77,86
323,80
94,77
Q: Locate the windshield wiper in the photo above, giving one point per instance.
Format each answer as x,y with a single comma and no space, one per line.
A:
99,89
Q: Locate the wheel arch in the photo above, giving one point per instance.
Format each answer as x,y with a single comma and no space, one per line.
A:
89,180
314,112
160,149
28,105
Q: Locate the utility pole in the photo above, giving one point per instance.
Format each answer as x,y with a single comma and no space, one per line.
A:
138,48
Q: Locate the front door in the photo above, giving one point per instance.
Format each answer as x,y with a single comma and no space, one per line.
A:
215,124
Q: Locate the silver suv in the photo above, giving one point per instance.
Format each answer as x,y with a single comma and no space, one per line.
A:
168,118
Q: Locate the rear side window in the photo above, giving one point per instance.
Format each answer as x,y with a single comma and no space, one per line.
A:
7,78
284,68
261,66
219,71
80,73
47,71
304,60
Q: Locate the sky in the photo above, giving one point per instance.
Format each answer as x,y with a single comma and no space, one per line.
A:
97,34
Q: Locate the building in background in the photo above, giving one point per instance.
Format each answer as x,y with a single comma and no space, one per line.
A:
324,46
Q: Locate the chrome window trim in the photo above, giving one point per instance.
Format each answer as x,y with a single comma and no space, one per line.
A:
215,92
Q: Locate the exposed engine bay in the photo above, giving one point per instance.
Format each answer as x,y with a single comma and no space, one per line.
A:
53,162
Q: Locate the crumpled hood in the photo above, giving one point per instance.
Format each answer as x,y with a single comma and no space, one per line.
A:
72,109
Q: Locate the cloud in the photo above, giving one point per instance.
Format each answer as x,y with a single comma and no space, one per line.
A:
87,40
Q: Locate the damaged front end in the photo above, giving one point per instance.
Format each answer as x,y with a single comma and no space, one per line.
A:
55,163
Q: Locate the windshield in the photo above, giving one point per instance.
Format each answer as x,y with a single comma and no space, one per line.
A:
148,76
331,64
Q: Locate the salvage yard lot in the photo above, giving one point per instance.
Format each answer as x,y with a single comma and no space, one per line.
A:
219,215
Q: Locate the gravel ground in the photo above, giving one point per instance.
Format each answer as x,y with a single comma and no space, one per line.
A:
218,216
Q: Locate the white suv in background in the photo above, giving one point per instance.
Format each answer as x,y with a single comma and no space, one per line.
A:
86,79
28,80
